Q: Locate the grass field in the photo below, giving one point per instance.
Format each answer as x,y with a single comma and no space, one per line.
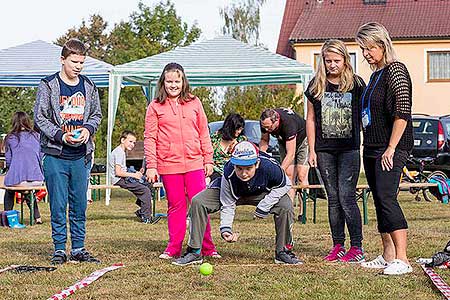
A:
246,270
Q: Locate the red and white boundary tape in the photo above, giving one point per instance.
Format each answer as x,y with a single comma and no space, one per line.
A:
83,282
438,282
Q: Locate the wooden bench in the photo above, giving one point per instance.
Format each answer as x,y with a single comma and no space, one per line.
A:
94,187
362,192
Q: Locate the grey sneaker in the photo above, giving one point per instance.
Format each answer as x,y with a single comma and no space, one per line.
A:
188,258
58,258
287,258
83,256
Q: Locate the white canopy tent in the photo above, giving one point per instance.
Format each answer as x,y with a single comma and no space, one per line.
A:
222,61
25,65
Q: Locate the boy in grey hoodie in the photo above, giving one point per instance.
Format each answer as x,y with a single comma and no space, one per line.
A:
67,113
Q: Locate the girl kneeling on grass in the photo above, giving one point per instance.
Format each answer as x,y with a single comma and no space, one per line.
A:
333,128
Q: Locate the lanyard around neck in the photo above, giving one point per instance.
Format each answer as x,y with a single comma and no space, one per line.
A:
373,88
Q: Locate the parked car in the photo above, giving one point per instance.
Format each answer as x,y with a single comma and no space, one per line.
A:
431,141
253,132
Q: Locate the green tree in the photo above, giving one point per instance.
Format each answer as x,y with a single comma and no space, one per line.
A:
251,101
13,100
242,21
93,33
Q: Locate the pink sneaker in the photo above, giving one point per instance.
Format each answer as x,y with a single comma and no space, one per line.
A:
354,255
337,252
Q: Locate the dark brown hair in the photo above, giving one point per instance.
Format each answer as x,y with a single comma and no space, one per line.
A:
20,122
185,96
73,46
232,123
270,113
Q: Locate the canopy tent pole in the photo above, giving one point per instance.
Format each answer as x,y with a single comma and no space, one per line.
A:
115,82
305,81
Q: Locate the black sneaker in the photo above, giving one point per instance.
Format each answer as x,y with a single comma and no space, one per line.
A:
189,258
288,258
58,258
151,220
83,256
138,214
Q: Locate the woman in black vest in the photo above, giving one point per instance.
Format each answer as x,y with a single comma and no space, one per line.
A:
388,139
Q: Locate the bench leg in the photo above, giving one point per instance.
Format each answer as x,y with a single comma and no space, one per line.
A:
32,204
21,207
364,197
314,199
304,197
154,199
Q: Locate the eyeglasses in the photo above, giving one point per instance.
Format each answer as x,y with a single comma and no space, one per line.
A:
271,127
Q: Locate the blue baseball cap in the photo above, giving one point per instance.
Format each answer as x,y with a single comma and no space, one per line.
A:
244,154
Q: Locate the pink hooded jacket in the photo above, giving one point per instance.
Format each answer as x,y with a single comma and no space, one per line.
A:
176,137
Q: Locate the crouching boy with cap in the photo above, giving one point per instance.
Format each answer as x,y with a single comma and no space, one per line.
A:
249,178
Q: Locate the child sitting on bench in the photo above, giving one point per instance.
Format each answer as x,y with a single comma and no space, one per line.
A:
131,181
23,159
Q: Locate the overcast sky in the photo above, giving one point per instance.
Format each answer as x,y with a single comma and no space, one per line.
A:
22,21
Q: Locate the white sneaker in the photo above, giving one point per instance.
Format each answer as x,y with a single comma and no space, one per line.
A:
165,255
377,263
397,267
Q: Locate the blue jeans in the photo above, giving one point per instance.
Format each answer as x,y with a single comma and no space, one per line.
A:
340,172
67,183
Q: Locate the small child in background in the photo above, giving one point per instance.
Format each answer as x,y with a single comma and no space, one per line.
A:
131,179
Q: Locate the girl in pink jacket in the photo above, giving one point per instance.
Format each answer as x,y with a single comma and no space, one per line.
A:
178,148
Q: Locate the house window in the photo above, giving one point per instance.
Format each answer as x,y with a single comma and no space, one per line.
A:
438,65
352,60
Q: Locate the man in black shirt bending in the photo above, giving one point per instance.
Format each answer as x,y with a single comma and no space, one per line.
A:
290,130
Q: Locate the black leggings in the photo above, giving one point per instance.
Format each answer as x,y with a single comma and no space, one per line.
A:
384,187
9,203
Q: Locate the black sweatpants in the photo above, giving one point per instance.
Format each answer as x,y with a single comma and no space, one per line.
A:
143,194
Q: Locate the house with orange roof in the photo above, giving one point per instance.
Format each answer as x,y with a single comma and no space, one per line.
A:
420,30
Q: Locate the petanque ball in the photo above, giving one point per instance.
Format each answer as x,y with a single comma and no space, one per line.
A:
206,269
76,133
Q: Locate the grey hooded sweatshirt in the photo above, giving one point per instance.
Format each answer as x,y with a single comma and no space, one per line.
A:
47,114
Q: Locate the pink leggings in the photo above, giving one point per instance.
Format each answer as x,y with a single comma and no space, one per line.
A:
179,188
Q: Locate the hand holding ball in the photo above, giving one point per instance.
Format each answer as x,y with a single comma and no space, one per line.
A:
76,135
206,269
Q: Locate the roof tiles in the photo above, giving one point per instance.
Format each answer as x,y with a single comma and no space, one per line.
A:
405,19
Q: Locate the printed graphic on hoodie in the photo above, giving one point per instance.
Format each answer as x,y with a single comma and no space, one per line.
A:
72,101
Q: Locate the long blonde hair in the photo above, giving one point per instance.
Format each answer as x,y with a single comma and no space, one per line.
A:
319,84
375,33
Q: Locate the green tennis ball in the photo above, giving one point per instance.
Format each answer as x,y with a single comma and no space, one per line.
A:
206,269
